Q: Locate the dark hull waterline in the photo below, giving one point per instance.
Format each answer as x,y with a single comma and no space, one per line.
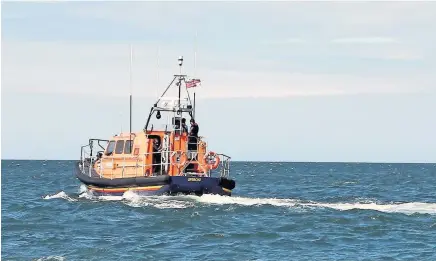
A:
156,185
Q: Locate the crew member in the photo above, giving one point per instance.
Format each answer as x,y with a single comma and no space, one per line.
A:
184,126
156,155
193,135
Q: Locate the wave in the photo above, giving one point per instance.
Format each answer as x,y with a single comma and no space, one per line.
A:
51,258
187,201
62,195
406,208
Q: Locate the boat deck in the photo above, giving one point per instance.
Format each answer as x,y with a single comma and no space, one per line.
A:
88,170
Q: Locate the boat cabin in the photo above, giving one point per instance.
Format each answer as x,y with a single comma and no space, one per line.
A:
168,149
152,153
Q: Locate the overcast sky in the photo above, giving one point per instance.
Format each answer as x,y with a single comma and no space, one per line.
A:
328,81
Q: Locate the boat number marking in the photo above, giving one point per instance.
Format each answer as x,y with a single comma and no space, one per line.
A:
194,179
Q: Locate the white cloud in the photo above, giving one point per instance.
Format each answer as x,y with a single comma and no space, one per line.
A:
341,17
102,69
377,48
306,27
285,41
278,22
365,40
293,30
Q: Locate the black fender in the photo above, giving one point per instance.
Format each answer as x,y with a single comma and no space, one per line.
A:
95,180
227,183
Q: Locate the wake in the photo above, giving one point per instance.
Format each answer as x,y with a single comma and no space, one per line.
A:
406,208
179,202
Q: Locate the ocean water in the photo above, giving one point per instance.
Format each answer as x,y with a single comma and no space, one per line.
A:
279,211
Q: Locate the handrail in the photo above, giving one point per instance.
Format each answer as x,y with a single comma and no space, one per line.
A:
138,162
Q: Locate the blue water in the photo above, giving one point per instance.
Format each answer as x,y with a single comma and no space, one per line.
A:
279,211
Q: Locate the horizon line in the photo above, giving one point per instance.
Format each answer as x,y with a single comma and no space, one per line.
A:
269,161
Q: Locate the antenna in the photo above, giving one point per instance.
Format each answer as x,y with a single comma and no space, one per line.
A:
121,122
180,64
180,76
157,85
195,66
195,54
130,105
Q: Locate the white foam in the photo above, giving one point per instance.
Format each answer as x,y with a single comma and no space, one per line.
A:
225,200
134,200
62,195
177,202
83,188
406,208
58,258
86,194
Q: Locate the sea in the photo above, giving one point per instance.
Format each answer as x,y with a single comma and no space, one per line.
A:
278,211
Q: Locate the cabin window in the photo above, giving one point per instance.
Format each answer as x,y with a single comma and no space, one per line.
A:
119,147
128,147
110,147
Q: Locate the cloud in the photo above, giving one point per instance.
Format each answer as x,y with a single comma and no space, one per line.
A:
103,69
329,19
359,47
377,48
285,41
365,40
260,48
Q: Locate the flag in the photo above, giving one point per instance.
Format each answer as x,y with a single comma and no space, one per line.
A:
193,83
190,84
196,81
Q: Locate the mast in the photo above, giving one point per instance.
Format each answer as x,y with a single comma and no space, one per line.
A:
130,103
180,77
157,85
121,122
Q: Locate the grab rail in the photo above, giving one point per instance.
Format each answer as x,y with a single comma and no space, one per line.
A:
138,162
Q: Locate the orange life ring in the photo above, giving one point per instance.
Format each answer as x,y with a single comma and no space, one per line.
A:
216,158
181,155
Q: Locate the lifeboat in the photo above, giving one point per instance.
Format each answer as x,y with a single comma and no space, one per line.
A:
169,160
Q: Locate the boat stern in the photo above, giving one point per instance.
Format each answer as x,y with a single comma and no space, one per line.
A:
201,185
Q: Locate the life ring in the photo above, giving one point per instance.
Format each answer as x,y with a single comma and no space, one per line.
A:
178,158
216,158
97,164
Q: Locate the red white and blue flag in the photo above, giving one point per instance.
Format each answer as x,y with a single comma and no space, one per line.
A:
193,83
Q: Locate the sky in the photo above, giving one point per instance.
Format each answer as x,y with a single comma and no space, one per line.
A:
281,81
